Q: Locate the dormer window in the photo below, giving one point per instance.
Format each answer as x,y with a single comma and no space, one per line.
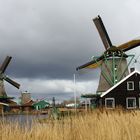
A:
130,85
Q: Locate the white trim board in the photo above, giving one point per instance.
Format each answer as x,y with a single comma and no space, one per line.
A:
119,82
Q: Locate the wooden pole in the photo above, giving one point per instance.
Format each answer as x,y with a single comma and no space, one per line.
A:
74,81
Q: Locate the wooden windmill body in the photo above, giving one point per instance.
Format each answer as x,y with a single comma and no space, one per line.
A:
2,89
113,62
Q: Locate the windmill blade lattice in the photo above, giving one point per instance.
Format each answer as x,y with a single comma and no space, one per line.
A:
12,82
5,64
102,32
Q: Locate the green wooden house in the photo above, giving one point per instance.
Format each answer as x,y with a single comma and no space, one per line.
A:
41,105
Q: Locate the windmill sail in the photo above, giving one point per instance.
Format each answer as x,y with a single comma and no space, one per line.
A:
102,32
91,64
129,45
5,64
12,82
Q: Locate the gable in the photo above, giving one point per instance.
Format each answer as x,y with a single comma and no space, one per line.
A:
42,103
120,85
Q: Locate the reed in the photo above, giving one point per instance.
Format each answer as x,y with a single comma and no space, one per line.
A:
95,125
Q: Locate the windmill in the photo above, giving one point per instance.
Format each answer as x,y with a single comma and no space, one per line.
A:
113,62
3,67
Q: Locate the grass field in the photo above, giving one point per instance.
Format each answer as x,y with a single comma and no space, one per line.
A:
95,125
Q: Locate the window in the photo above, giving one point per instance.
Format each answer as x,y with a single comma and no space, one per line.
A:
130,85
109,102
131,102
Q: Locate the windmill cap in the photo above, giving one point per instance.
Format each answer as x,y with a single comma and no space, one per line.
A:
116,51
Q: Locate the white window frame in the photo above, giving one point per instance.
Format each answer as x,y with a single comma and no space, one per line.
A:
127,103
113,106
128,85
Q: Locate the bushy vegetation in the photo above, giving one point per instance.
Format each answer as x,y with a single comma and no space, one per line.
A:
95,125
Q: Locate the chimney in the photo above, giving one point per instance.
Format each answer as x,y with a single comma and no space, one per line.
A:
132,69
25,97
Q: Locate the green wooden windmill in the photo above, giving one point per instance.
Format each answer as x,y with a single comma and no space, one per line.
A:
113,62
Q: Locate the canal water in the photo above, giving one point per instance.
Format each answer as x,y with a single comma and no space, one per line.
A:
22,119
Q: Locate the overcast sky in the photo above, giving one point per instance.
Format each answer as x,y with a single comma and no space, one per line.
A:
48,39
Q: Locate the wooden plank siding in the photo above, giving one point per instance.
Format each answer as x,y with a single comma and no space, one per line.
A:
120,92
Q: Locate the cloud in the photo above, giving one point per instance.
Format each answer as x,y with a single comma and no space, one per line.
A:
49,39
49,88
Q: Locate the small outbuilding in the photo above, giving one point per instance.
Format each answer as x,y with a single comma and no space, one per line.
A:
41,105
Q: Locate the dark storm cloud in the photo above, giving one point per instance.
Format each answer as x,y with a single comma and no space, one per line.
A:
45,42
49,39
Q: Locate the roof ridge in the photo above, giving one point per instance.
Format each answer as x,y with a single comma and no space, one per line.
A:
106,92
